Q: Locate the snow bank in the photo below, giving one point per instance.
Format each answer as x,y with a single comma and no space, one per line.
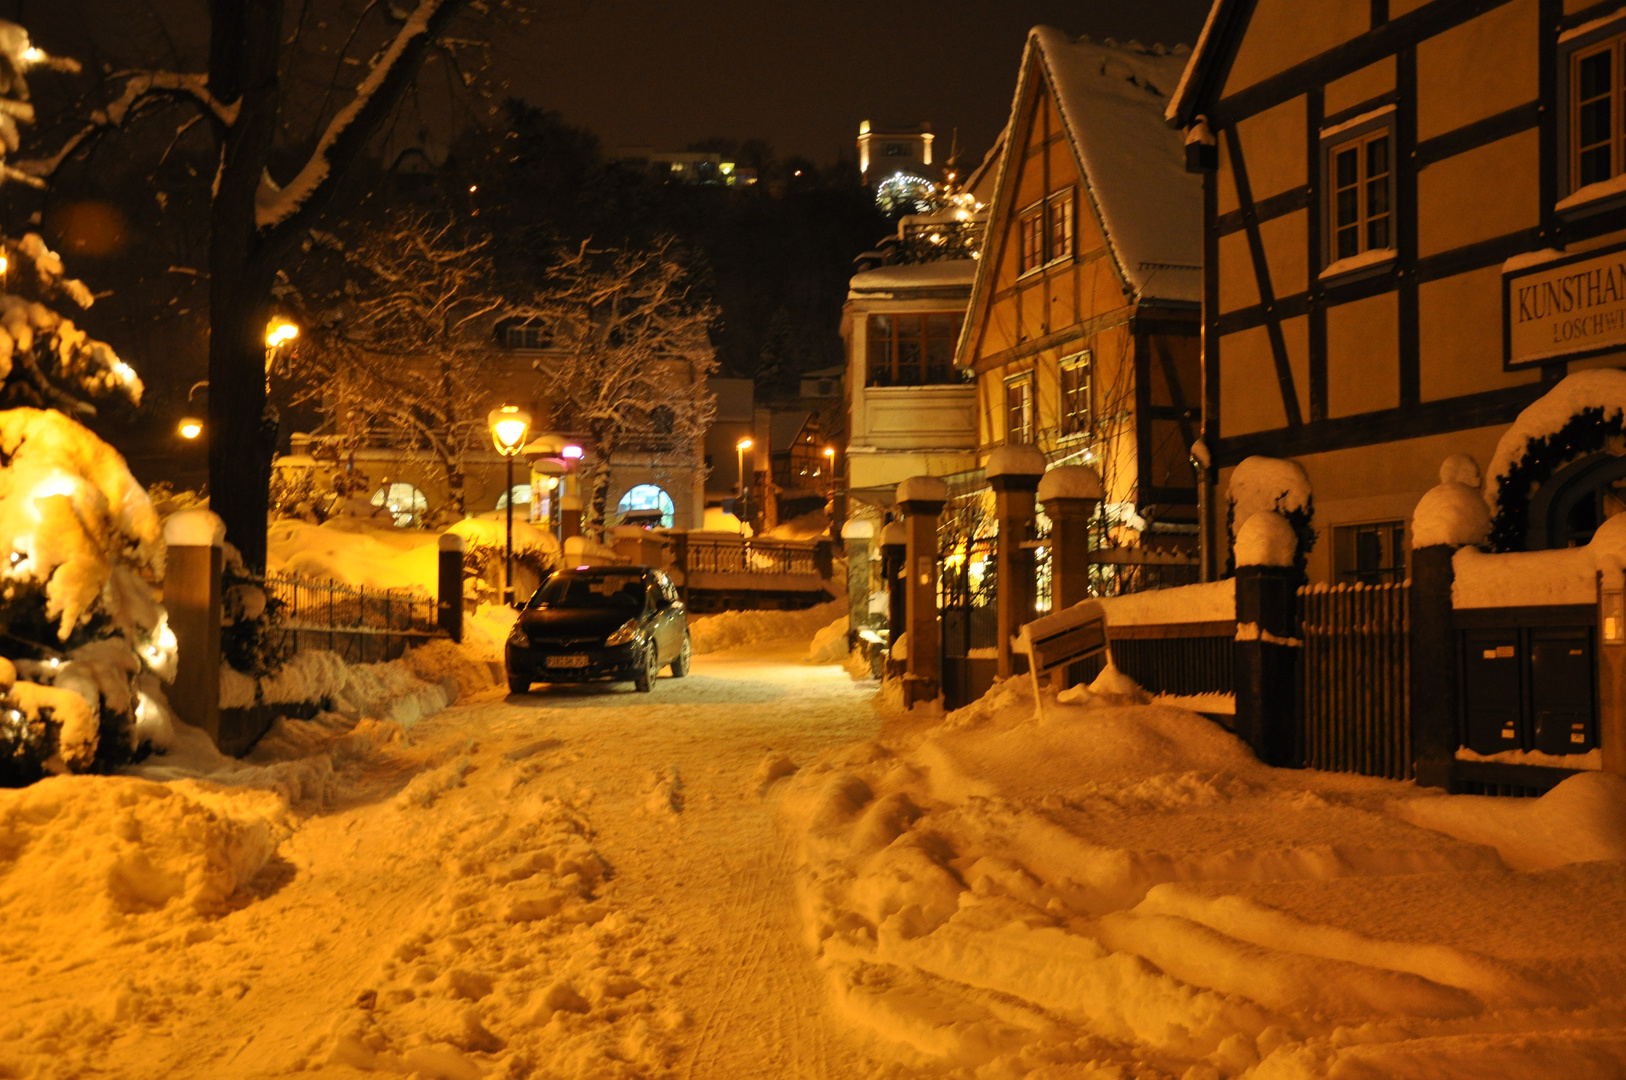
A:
749,629
1211,601
1110,884
1583,819
829,644
1266,539
1533,578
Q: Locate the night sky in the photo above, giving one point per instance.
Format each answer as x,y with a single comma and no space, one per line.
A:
802,73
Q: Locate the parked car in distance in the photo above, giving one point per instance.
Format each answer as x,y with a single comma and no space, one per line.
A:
601,623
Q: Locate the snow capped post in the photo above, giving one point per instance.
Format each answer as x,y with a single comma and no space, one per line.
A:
921,498
449,604
570,516
894,551
192,597
1070,494
1271,510
1448,517
1013,472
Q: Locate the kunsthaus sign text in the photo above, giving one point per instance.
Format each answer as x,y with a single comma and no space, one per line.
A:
1571,306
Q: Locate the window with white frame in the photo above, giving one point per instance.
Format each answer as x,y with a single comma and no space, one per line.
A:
1597,142
1075,395
1045,231
1019,409
1360,192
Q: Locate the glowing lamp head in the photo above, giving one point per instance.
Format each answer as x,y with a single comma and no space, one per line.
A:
744,444
33,55
509,426
829,451
191,427
4,263
571,452
280,333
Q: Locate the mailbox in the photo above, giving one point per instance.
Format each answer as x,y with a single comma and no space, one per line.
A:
1491,691
1561,690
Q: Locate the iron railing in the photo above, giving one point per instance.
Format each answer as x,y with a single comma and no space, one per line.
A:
360,624
728,556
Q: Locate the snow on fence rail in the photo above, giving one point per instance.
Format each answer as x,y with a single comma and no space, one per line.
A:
360,624
1356,703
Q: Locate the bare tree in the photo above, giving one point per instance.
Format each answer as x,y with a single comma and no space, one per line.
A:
398,344
629,355
250,98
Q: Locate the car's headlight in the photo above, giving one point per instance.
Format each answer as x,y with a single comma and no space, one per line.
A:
517,636
626,633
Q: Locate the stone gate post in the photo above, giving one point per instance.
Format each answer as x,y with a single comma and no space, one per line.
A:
192,598
1013,472
1070,494
921,498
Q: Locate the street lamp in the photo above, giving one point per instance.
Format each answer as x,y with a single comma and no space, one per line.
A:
191,427
830,465
742,446
509,425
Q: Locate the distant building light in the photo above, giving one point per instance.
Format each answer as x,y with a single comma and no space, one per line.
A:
571,451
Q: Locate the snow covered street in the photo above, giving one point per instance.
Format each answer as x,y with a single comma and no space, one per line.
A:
578,882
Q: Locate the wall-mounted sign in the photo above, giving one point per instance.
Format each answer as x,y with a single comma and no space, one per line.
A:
1570,307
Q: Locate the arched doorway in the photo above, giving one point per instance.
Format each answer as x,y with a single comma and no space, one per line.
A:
1567,509
646,504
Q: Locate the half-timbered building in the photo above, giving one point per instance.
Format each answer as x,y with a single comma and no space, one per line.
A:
1414,216
1083,326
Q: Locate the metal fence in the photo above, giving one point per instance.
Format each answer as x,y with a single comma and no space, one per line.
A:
724,556
1355,701
360,624
1181,658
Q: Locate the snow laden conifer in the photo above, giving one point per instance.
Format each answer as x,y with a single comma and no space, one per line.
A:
82,638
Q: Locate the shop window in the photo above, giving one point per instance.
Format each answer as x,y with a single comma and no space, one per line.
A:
1019,409
1360,189
913,349
1075,395
1373,554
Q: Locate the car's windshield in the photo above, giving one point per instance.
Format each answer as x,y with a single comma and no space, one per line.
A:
590,591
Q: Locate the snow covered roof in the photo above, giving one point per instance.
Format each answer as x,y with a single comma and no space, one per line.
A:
946,273
1112,100
1222,17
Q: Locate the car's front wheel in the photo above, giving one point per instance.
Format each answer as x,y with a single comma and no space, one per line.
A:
680,666
644,681
518,685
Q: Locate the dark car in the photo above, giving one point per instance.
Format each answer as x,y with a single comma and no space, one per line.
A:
599,623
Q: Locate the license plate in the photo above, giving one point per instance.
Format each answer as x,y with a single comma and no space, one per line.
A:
567,661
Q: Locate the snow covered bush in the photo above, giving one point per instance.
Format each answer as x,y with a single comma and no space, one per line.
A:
84,637
251,636
1264,484
536,555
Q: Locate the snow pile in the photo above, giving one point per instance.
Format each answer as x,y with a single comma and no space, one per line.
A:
1603,389
829,644
583,551
1121,890
1453,513
1211,601
1070,482
1260,484
1266,539
1015,460
750,629
354,551
927,489
1536,578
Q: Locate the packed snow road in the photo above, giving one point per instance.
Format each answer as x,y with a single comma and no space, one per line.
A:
577,882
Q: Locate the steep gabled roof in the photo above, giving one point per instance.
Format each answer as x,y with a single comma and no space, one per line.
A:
1112,99
1226,18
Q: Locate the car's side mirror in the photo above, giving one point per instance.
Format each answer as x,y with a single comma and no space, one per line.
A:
517,605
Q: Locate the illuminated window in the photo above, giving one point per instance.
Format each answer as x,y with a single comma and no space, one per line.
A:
521,494
1372,554
1596,146
1032,231
1058,211
1019,409
647,504
913,349
405,504
1361,190
1075,395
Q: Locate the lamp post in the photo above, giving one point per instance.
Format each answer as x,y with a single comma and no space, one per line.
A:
830,465
509,425
742,446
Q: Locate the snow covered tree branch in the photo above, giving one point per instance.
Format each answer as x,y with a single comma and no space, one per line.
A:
629,356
